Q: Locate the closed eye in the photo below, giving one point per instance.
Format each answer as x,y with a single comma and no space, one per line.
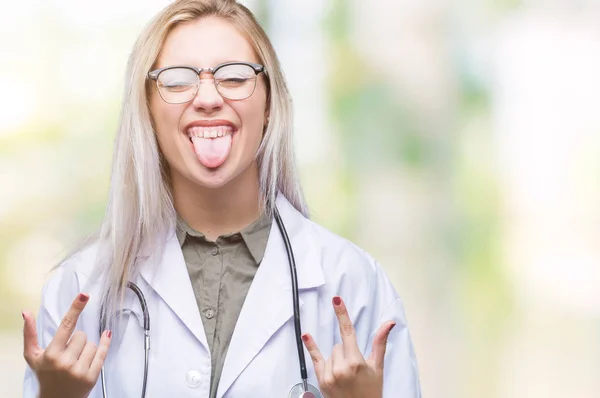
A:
233,81
177,86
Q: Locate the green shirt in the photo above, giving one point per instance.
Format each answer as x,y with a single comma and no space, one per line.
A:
221,273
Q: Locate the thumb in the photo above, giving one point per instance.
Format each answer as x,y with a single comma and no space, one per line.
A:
31,349
380,343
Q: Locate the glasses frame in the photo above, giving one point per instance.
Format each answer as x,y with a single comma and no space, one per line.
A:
153,75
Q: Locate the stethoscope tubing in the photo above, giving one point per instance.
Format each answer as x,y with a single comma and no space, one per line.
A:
295,301
146,314
295,297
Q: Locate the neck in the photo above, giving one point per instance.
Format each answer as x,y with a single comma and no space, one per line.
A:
218,211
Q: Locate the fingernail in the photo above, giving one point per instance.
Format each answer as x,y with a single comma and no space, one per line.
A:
305,338
23,315
83,297
109,334
391,327
337,300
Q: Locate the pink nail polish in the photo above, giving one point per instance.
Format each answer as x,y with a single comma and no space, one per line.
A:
337,300
391,327
83,297
23,315
305,338
109,334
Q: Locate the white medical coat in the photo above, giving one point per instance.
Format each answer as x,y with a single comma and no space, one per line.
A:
262,359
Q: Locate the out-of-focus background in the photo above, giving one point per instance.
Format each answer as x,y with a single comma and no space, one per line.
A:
456,141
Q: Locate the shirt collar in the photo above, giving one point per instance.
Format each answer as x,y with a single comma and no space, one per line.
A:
182,230
255,235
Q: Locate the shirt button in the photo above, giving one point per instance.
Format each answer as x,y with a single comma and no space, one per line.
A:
193,378
215,251
209,314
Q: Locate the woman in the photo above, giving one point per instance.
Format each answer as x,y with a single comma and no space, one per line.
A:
203,171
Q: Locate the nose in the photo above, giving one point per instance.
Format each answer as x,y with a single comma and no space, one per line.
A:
208,98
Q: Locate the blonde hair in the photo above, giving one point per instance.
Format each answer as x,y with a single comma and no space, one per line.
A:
140,207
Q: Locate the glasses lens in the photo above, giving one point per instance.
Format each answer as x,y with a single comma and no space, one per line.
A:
177,85
235,82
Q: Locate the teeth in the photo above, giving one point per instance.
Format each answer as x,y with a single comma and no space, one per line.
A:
203,132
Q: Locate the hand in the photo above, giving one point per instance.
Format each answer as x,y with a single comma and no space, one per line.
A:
347,374
65,369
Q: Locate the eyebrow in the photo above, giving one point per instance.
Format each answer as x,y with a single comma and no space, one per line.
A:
194,65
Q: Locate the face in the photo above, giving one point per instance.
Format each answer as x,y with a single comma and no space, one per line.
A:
185,132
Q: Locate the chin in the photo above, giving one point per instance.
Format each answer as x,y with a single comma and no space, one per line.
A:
232,171
212,178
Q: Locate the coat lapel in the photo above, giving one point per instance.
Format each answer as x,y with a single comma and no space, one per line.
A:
171,281
268,304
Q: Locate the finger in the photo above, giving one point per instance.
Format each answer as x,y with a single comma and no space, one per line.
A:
101,353
87,355
347,331
315,354
31,348
68,323
338,362
76,345
328,378
380,344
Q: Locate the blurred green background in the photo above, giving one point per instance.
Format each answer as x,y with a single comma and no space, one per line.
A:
456,141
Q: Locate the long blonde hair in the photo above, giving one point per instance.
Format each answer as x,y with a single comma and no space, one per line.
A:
140,207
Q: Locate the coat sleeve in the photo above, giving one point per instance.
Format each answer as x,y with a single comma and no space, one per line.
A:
401,376
55,303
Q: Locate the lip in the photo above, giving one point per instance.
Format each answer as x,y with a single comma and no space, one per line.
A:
209,123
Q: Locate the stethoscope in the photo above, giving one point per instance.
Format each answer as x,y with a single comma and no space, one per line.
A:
301,390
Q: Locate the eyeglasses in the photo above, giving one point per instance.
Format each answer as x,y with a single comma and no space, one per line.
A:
180,84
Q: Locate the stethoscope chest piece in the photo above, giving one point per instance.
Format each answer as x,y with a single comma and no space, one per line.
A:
298,392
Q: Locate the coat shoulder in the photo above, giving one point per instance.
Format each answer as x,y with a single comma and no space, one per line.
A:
340,254
70,277
351,271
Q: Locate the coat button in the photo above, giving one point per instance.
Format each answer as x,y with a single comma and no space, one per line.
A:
193,378
215,251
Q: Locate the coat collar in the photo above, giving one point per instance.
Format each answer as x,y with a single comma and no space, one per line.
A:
306,252
269,298
268,304
167,275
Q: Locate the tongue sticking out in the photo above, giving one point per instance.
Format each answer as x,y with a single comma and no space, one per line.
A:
212,152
